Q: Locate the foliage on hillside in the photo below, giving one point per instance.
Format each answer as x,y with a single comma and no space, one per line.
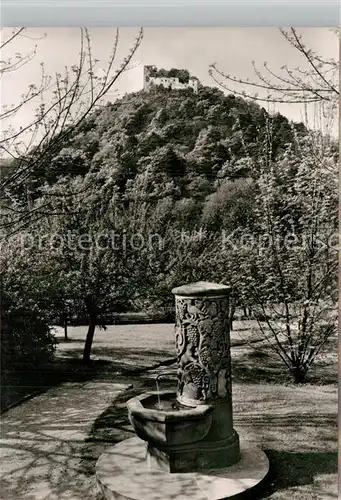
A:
169,186
179,142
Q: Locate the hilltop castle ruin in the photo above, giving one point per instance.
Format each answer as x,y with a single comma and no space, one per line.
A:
174,79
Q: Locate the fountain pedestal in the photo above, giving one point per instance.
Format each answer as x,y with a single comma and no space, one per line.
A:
123,473
190,450
202,333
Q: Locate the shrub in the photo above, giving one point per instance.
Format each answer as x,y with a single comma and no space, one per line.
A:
26,340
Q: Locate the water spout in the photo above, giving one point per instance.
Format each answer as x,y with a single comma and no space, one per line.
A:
159,405
158,377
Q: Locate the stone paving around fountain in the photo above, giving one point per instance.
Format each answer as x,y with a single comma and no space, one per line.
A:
44,450
123,470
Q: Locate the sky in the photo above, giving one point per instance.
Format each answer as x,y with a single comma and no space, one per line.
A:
232,49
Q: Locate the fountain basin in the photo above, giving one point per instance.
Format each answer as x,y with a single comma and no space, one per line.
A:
159,420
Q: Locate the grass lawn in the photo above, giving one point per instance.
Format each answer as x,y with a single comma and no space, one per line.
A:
75,421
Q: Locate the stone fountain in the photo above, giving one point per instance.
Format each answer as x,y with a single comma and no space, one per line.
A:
187,447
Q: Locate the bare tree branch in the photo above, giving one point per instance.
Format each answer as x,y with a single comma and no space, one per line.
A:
317,82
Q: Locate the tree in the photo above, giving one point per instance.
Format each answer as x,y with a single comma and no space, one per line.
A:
12,64
103,252
230,206
317,82
27,308
73,96
291,275
88,261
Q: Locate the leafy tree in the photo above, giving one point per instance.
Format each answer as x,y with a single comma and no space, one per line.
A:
27,307
88,260
230,207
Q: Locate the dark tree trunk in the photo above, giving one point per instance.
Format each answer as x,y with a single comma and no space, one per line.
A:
232,313
65,327
299,375
89,338
92,310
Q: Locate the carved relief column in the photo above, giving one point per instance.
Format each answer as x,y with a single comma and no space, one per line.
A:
202,339
203,343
